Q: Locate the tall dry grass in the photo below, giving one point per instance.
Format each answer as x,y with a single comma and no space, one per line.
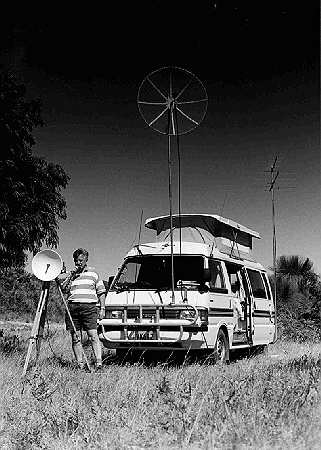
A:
270,401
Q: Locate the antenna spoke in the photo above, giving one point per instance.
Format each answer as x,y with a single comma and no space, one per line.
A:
151,103
187,117
192,101
184,89
159,116
156,88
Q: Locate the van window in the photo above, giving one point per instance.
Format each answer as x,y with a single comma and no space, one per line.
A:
217,278
257,284
233,270
154,272
265,279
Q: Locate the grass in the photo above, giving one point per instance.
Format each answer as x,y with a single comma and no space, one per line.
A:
270,401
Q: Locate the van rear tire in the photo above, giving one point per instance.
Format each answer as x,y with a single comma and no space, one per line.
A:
221,352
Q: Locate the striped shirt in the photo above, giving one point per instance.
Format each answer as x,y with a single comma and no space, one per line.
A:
86,287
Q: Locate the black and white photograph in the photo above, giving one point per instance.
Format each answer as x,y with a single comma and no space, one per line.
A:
160,262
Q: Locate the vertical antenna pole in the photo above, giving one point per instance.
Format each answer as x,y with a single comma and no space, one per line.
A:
140,226
273,179
171,215
274,241
138,250
274,248
171,127
174,118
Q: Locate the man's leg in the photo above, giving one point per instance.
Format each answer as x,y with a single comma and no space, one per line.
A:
77,347
95,342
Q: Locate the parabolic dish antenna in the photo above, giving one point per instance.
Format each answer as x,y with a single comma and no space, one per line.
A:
46,265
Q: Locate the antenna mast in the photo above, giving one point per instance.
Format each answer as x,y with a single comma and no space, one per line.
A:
273,177
172,101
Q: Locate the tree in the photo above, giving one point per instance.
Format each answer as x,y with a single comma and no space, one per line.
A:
295,274
298,297
294,268
31,201
19,296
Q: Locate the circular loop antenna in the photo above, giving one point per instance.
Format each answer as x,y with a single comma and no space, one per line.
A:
46,265
172,101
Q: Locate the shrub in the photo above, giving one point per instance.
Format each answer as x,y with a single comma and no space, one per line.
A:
20,294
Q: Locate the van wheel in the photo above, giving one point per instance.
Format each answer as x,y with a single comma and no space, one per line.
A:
221,349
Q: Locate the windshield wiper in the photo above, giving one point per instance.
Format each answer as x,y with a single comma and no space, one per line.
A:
162,288
123,287
138,284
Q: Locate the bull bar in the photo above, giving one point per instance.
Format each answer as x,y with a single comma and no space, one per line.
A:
139,321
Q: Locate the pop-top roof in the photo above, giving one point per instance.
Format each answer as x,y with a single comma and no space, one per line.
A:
217,226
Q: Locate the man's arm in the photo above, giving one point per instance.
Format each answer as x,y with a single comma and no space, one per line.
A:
101,294
102,298
64,281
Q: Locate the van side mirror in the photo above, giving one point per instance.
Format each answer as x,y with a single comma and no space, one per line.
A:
206,275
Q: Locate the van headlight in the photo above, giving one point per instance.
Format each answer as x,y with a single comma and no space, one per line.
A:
117,314
203,315
114,314
187,314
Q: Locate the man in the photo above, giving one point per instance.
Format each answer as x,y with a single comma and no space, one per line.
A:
84,289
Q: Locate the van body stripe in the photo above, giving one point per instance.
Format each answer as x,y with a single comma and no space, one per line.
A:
262,313
220,312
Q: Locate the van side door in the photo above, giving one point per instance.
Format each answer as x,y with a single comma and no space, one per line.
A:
219,299
248,307
262,312
241,299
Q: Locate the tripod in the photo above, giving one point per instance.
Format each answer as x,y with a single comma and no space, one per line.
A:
38,326
50,260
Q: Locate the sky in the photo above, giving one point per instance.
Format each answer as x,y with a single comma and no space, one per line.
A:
259,63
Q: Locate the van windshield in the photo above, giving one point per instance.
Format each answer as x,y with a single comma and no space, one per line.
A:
154,272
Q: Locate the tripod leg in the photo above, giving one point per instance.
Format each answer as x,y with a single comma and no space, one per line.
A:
73,325
35,327
42,324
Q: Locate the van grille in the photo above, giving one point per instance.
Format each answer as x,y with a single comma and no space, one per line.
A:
150,314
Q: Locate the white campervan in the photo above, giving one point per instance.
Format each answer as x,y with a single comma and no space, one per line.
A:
180,294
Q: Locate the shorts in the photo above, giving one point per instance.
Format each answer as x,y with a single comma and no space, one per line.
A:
84,316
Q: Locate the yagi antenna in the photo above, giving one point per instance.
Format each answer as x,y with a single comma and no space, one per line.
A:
172,101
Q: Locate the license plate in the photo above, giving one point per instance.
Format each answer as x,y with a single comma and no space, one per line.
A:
144,335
